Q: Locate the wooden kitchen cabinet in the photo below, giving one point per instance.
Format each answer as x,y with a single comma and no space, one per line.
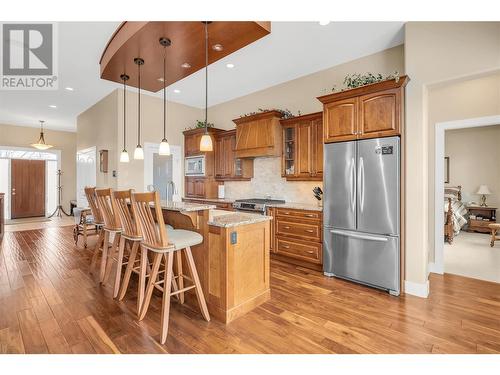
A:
302,158
369,111
258,135
227,166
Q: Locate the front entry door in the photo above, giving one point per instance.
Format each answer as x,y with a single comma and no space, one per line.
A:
28,188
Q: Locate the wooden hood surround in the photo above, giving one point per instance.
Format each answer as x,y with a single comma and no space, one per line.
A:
141,39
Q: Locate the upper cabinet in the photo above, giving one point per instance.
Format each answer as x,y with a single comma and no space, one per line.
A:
302,158
369,111
258,135
192,139
227,166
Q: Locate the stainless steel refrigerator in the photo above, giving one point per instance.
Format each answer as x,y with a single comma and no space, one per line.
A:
361,212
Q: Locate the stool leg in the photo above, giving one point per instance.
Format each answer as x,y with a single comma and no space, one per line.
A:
178,257
111,254
196,280
165,310
97,249
151,285
142,278
128,270
493,237
85,236
104,258
119,266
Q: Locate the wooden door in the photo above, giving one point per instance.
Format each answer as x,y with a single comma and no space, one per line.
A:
317,147
304,152
228,144
340,120
378,114
28,188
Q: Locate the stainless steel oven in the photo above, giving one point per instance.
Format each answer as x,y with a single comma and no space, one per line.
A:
194,166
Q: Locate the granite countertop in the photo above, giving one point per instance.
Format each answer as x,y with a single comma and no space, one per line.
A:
185,206
215,200
297,206
223,219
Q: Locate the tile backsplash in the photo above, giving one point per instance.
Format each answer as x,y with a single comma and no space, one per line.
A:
267,181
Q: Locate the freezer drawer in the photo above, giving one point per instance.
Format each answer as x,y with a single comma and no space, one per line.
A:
366,258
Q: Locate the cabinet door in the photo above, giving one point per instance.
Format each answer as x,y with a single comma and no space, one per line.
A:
192,144
288,165
228,155
317,147
340,120
190,191
304,149
379,114
199,187
219,156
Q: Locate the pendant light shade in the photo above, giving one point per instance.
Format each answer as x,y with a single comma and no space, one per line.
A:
124,154
206,141
164,146
139,152
41,145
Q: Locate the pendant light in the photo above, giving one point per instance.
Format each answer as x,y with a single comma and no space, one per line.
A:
139,152
41,145
124,155
164,146
206,140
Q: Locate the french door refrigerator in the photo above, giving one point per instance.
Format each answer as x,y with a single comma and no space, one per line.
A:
361,212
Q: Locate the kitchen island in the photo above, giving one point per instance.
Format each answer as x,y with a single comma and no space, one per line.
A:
233,259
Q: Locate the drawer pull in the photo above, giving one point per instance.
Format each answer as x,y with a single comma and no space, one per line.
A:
286,213
309,215
309,230
286,246
310,252
286,227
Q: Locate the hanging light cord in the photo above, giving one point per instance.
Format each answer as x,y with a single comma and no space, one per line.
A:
139,103
206,77
124,106
165,92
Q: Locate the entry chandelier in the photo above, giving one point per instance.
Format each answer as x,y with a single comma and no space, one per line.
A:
164,146
139,152
41,145
206,140
124,155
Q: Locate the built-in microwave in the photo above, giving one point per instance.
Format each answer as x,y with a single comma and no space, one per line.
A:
194,166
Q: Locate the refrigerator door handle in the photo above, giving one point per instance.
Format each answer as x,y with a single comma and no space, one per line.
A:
358,235
353,185
361,180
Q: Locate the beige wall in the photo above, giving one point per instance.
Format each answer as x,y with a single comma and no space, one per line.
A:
474,160
296,95
98,126
435,52
20,136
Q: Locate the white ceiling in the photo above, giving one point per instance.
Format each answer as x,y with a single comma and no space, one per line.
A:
292,50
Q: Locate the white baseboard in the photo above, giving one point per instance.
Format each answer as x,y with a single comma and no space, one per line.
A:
434,268
417,289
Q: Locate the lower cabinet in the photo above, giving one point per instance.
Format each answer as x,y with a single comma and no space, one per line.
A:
200,187
220,205
297,236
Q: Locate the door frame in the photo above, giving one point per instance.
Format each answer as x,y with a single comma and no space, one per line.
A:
7,196
92,149
176,151
438,265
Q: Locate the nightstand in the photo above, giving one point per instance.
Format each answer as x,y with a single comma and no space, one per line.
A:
478,224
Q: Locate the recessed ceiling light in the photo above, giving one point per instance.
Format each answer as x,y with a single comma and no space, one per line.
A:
53,106
217,47
324,23
230,66
177,91
186,65
69,89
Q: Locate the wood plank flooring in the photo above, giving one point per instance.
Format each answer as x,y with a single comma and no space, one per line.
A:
49,303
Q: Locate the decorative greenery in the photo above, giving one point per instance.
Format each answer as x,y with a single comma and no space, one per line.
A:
351,81
285,113
200,124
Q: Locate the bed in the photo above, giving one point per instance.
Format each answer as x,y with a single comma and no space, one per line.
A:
454,212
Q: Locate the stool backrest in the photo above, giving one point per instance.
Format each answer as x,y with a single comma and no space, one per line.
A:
122,203
111,220
92,200
154,233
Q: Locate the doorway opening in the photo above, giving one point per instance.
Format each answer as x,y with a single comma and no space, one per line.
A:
163,173
29,178
466,164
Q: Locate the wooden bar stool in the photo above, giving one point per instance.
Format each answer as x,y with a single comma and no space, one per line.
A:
164,243
130,234
98,221
495,228
112,225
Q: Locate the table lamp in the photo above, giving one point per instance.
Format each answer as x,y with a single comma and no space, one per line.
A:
483,191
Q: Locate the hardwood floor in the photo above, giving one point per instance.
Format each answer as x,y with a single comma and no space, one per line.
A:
49,303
